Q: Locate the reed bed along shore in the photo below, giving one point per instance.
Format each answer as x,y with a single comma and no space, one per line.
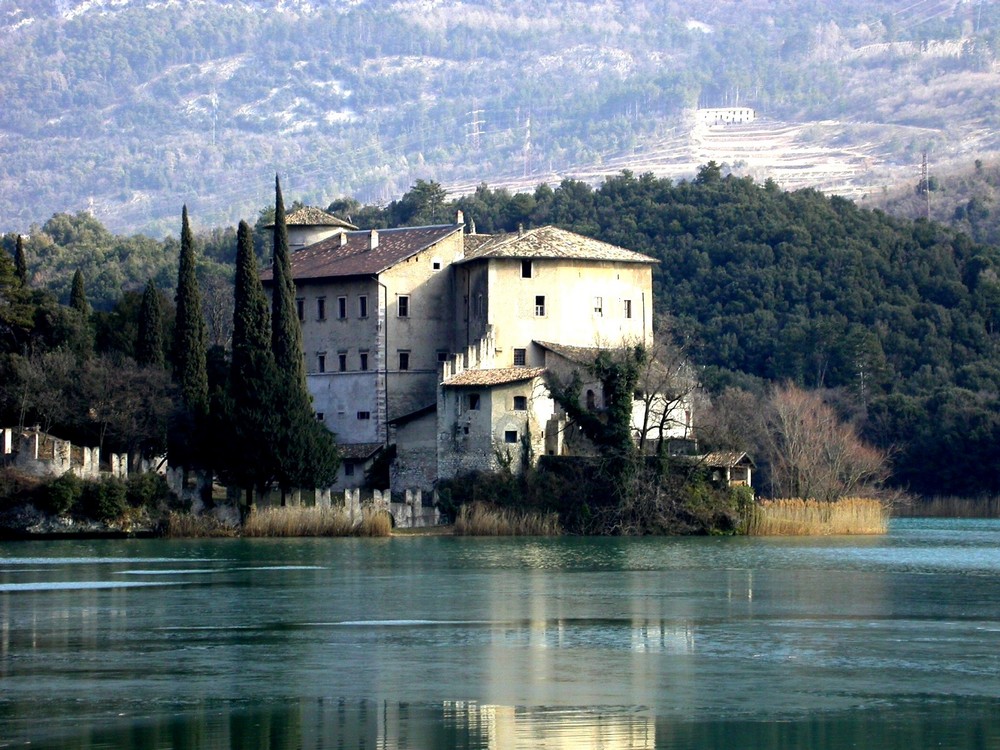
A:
482,519
792,517
290,521
950,507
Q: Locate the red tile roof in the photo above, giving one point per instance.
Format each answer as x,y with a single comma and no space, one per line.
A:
314,217
550,242
330,259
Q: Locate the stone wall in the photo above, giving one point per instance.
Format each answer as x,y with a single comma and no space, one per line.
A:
42,455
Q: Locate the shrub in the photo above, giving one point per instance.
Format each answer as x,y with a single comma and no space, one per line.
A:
104,500
59,495
147,490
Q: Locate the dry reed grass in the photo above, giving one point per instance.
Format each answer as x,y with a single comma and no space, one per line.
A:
190,526
298,521
950,507
482,519
792,517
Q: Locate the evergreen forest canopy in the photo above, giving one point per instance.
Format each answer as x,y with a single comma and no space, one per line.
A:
896,320
129,109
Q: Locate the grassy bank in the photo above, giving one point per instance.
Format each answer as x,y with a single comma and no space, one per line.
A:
482,519
850,515
950,507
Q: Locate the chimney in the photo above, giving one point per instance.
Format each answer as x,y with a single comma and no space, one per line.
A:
520,230
343,238
472,226
460,218
373,240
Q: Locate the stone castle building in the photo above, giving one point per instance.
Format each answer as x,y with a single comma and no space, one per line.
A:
432,343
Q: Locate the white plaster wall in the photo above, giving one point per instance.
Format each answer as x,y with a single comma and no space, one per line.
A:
339,397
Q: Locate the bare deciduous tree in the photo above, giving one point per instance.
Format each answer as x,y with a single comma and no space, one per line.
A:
813,453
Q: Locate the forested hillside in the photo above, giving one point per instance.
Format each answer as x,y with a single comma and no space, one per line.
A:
128,109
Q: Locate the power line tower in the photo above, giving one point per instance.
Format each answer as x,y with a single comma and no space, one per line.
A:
925,184
526,149
475,126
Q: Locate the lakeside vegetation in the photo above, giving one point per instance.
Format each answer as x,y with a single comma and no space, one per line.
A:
796,517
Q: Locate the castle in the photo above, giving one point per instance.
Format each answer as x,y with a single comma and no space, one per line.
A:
430,345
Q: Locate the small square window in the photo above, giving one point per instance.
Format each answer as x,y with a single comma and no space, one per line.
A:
404,360
628,308
364,361
403,306
520,357
442,355
321,309
363,306
520,403
321,362
510,436
436,264
320,416
473,402
300,308
539,306
341,307
342,362
526,269
364,415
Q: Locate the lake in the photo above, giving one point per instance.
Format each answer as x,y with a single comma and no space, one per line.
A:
441,642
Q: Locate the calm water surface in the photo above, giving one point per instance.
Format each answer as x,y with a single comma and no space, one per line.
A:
890,642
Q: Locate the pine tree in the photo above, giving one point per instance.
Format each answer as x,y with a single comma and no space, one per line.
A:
78,295
190,370
20,263
149,341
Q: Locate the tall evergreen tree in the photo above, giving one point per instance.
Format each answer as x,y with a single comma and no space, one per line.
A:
20,262
286,332
190,369
149,341
253,384
304,450
78,295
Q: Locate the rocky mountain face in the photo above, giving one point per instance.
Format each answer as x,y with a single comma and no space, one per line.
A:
129,109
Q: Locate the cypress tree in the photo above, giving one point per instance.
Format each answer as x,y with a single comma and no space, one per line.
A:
286,333
253,381
304,451
190,369
78,295
149,341
20,263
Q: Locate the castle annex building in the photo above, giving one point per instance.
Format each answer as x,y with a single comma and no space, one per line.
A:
433,343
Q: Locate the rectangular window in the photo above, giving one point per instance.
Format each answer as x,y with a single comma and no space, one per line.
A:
526,269
598,306
520,357
628,308
403,306
364,361
319,416
348,468
341,307
510,436
364,415
539,306
342,361
442,355
300,308
363,306
321,362
520,403
473,401
404,360
321,309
